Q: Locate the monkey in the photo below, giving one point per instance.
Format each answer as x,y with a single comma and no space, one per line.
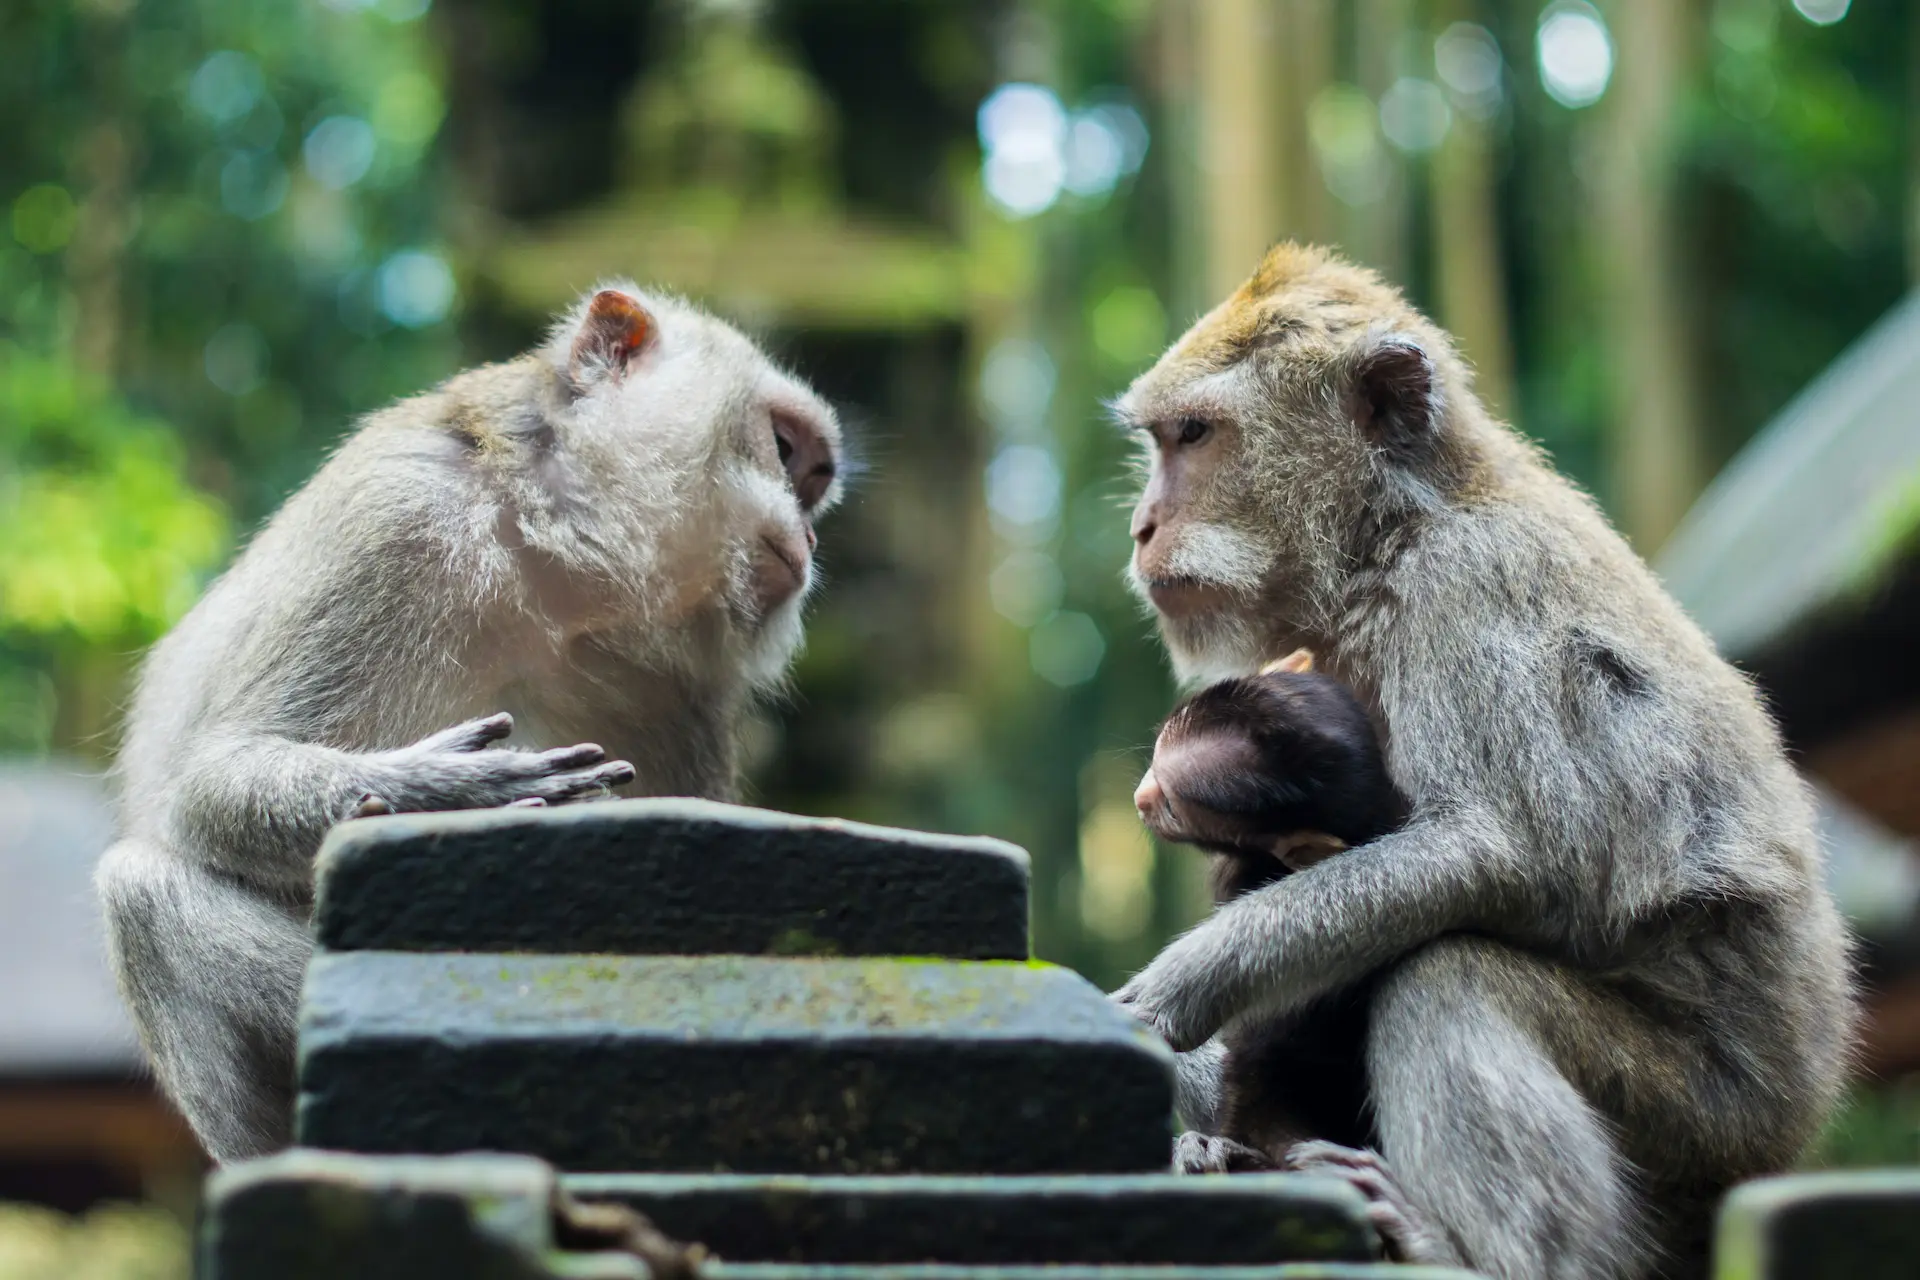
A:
1610,981
1269,775
601,546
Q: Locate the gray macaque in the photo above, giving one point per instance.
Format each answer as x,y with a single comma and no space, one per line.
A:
1607,979
601,547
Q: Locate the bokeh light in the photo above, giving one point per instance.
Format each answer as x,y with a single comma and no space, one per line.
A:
1467,59
416,288
1575,52
1822,13
1414,115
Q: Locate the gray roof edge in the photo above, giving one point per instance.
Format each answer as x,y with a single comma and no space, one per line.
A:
1748,495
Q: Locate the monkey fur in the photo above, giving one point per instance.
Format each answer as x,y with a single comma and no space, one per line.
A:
601,546
1609,981
1269,774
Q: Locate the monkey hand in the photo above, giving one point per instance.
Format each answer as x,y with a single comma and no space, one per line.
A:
1179,995
452,770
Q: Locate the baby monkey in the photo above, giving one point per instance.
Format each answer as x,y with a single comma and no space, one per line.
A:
1270,774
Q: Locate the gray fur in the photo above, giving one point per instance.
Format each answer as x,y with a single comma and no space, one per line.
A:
569,539
1615,983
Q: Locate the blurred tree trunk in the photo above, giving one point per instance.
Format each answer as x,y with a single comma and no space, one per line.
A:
1303,62
1469,277
1470,283
1377,232
1254,67
1913,146
103,166
1654,445
1234,46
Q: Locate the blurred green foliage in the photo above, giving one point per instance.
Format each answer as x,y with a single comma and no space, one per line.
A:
102,540
223,243
113,1242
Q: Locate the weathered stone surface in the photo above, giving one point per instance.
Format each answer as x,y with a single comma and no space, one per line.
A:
1150,1218
731,1064
666,877
949,1271
313,1215
1825,1226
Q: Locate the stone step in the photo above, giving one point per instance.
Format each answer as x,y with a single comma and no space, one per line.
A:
731,1064
312,1215
950,1271
1157,1218
1862,1225
666,877
321,1215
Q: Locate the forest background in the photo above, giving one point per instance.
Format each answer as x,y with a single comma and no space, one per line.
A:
227,228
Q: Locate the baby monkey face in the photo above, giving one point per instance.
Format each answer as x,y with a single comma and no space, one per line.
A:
1283,764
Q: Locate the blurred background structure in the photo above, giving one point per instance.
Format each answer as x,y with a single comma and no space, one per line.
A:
227,228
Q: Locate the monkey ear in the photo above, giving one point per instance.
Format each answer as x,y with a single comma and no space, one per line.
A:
1396,392
613,331
1295,663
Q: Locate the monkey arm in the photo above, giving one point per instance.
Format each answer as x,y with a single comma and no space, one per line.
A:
1197,1086
1280,947
258,805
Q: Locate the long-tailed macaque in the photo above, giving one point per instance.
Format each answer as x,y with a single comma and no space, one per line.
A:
1610,981
601,547
1269,774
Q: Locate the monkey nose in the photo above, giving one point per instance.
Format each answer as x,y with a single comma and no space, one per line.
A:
813,541
1147,797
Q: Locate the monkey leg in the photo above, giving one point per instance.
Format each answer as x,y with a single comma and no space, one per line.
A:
1481,1103
212,971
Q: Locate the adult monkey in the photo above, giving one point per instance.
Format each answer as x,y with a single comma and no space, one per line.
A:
609,537
1614,983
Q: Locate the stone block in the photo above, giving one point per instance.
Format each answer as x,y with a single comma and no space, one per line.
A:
1822,1226
951,1271
666,877
731,1064
314,1215
1156,1218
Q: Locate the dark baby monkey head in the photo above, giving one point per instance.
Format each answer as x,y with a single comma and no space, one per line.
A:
1284,764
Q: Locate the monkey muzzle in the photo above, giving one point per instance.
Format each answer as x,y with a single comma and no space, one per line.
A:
782,567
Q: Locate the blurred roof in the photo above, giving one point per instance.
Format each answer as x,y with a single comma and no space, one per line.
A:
59,1012
1818,504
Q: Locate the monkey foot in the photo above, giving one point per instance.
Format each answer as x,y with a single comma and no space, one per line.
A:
1206,1153
1404,1232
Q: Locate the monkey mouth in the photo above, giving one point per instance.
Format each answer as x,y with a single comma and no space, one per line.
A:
1177,596
779,573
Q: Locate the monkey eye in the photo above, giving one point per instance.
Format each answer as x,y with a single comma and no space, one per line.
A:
783,446
1193,430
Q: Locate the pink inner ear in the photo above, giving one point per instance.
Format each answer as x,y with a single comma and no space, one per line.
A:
615,327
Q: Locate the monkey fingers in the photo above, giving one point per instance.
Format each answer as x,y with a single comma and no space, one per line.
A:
1404,1231
1210,1153
572,783
451,770
1179,994
471,736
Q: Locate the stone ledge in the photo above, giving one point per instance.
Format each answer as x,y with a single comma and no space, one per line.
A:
322,1215
1143,1219
1821,1226
660,877
949,1271
731,1064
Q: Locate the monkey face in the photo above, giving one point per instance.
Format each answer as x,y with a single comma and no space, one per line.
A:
1284,764
744,456
1287,418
